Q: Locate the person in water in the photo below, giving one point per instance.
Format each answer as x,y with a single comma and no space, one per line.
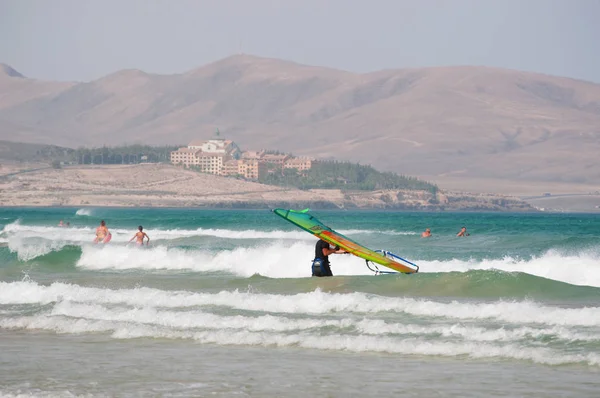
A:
139,237
321,266
101,232
426,234
60,224
463,232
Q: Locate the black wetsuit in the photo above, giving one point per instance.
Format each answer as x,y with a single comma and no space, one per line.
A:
321,262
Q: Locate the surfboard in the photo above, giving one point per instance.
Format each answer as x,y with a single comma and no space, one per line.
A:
107,238
310,224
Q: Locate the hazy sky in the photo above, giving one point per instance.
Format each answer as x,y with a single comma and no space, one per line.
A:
87,39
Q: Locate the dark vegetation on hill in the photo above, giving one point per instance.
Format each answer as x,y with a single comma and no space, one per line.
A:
126,154
24,152
346,176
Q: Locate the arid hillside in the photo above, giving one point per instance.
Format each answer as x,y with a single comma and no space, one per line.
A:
160,185
456,122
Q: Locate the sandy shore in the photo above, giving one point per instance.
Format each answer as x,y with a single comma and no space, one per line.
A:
518,188
161,185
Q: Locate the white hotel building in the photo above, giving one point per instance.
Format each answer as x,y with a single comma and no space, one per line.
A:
209,156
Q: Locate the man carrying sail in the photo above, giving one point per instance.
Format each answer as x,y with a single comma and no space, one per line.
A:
321,266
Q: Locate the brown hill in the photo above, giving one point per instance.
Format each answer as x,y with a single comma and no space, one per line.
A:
7,70
469,122
15,91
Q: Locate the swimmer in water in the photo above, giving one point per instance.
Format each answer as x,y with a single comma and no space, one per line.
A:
139,237
101,232
463,232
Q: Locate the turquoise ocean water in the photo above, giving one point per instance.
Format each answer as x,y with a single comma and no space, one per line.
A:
222,304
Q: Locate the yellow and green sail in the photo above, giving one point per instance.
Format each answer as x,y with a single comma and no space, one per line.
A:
310,224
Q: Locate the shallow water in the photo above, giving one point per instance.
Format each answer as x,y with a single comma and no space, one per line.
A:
222,304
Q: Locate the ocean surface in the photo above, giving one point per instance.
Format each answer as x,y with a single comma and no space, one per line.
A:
221,303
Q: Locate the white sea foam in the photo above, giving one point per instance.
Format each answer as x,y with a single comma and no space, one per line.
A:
197,319
78,234
29,251
29,242
330,341
70,234
192,319
282,259
582,268
354,322
362,343
276,260
317,302
354,332
230,234
474,333
284,254
84,212
86,234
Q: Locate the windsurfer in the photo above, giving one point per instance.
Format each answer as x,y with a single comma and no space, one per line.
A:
320,265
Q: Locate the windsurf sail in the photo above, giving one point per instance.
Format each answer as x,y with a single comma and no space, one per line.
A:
310,224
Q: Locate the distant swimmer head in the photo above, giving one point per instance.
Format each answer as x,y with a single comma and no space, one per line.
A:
140,228
463,232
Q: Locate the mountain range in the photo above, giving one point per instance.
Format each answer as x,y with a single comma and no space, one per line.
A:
456,122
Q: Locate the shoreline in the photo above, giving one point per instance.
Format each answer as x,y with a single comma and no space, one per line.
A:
336,209
270,208
167,186
267,206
